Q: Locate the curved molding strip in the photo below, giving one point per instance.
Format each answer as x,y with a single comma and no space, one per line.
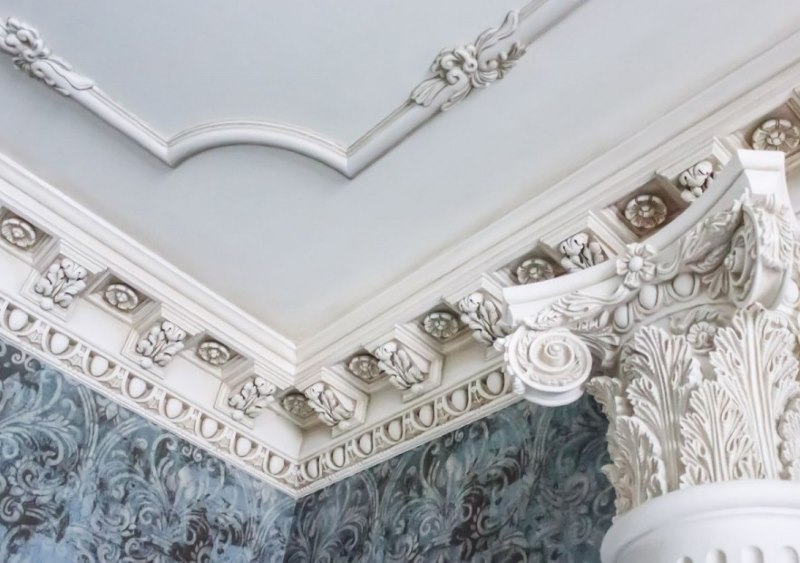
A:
456,72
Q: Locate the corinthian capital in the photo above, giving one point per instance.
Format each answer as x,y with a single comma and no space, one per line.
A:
688,342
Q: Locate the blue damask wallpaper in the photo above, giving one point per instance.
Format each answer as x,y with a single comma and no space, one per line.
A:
522,485
84,480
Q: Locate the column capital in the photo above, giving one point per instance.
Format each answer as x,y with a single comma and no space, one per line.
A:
736,249
689,343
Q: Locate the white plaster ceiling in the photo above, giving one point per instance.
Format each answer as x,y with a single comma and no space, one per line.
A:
291,241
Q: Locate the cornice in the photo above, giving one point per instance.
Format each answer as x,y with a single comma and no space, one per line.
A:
423,380
455,73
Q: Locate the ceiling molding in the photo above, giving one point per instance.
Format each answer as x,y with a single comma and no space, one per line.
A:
455,73
75,289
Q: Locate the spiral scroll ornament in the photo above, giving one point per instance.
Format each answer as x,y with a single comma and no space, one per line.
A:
549,368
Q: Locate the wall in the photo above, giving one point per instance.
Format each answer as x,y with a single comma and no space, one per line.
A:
521,485
84,480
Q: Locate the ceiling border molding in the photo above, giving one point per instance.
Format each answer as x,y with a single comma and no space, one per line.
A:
456,72
46,234
724,106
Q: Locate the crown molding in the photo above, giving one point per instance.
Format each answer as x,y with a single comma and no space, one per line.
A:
426,362
454,74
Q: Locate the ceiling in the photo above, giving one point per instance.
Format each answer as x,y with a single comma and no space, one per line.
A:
291,241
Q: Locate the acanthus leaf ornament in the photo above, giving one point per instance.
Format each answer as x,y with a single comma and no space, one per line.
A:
31,55
328,405
18,232
252,398
696,179
160,344
467,67
739,422
483,316
580,252
396,363
61,283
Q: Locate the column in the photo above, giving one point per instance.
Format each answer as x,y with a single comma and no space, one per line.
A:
689,342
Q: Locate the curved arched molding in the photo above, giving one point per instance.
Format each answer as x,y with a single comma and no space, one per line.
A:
526,300
497,46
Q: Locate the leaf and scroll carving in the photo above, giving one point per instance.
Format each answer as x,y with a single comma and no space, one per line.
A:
661,371
673,425
755,365
716,444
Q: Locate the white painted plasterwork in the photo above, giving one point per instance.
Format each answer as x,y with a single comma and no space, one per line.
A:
690,347
428,352
455,73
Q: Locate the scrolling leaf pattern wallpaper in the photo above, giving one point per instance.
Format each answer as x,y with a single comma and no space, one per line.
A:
83,480
523,485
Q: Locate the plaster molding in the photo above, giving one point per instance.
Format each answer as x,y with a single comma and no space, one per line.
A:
251,398
475,398
140,392
468,67
454,78
66,229
694,394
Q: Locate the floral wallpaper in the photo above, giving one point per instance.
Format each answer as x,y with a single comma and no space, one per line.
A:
522,485
82,479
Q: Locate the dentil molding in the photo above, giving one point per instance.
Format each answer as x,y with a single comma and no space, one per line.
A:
455,73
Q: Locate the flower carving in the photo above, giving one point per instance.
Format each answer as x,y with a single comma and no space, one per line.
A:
696,179
31,55
442,325
18,232
364,367
466,67
776,135
637,265
214,353
296,404
121,296
534,270
646,211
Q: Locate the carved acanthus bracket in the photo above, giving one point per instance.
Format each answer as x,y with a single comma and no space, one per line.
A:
160,344
695,340
332,408
396,363
251,398
483,315
336,402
